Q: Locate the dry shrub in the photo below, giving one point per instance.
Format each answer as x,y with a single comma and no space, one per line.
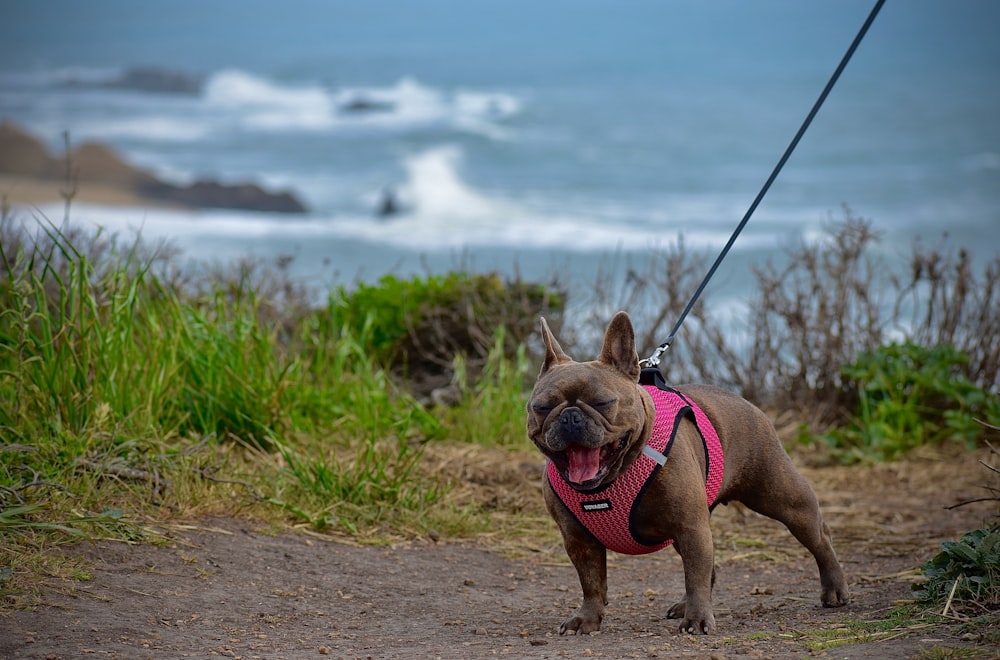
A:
655,292
944,302
828,302
814,316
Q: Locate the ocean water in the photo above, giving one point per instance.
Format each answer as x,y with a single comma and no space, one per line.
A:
537,138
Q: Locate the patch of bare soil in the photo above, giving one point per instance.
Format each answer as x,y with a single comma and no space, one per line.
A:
221,588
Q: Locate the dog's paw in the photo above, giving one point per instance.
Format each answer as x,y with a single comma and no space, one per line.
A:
836,596
676,611
580,626
587,620
698,625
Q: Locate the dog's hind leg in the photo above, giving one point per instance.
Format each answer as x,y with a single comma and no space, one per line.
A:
790,500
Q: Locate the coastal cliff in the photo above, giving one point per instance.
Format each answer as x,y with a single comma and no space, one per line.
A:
30,174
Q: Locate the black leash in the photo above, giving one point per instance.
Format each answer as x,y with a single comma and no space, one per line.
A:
654,359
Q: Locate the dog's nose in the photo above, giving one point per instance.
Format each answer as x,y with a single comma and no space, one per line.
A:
573,420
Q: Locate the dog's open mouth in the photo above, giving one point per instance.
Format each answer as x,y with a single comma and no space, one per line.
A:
585,467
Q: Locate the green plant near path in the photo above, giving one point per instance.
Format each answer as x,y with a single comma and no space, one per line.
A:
967,570
909,396
963,580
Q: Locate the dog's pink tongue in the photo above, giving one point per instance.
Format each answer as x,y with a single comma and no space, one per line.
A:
583,463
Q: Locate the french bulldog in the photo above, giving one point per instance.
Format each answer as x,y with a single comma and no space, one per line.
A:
592,420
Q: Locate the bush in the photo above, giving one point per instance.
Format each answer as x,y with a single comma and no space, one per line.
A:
967,570
418,327
908,396
806,319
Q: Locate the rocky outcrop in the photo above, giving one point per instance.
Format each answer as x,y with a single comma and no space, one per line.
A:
361,104
210,194
99,163
153,79
147,79
24,155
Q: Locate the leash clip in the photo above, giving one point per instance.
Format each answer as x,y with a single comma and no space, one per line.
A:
654,359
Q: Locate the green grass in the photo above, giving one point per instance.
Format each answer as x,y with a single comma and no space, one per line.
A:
497,397
899,622
371,487
127,400
954,653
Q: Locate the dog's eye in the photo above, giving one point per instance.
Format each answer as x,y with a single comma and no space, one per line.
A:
542,410
604,404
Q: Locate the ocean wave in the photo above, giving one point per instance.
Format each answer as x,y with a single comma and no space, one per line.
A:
440,210
237,101
438,194
263,104
188,226
527,229
523,230
259,103
408,103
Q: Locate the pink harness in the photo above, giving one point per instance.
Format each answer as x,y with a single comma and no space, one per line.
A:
607,512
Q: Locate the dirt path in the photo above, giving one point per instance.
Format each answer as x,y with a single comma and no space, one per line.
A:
223,589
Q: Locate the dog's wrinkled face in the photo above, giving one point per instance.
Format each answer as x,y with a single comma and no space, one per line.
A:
590,419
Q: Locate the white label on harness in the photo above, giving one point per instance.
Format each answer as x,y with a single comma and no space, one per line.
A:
596,505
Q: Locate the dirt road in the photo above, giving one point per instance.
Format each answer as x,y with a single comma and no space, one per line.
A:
223,589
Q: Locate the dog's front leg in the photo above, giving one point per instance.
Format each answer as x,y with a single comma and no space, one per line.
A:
591,561
697,553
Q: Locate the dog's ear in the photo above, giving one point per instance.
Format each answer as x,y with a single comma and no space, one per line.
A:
619,347
553,351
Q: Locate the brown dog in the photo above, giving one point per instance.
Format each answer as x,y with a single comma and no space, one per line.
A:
593,420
